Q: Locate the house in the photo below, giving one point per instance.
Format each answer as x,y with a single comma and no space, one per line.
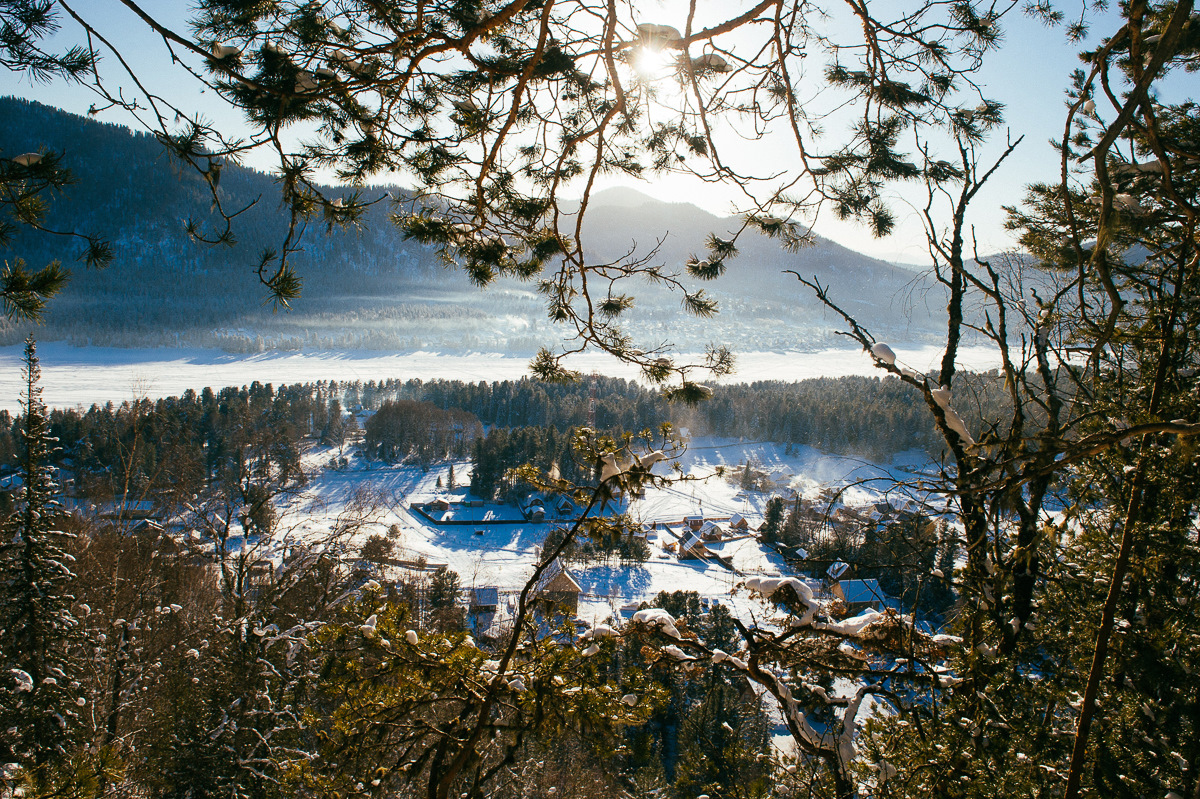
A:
535,510
693,522
711,531
738,522
860,595
693,547
261,569
837,569
483,600
558,589
131,509
438,505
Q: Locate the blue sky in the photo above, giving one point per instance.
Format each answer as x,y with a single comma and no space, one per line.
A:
1027,73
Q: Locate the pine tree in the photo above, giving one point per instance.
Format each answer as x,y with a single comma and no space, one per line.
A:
38,709
773,520
444,611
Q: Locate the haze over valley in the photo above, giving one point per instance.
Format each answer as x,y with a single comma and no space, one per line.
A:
370,289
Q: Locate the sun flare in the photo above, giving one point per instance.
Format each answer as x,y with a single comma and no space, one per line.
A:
652,62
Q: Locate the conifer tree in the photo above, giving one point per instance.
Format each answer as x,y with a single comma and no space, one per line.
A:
773,520
445,614
38,710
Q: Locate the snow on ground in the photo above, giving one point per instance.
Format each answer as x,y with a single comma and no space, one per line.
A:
503,555
84,375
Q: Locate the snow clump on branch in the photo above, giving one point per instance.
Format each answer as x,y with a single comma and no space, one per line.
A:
769,587
657,617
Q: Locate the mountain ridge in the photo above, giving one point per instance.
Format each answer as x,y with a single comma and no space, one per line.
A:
370,288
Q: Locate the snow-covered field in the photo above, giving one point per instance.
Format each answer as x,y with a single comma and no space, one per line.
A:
74,376
505,554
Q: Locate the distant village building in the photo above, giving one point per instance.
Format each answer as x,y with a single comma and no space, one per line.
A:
860,595
558,589
131,509
535,511
693,547
484,600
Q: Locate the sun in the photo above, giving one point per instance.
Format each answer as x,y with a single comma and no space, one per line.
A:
652,62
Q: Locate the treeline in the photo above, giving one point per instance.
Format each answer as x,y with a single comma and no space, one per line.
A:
867,416
178,446
503,449
184,439
406,427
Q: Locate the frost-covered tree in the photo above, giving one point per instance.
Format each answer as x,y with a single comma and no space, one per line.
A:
38,710
1075,503
445,612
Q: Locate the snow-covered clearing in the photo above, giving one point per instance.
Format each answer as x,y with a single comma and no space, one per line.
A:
74,376
503,555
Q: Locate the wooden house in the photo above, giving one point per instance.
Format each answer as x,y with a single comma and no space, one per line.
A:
484,600
535,511
860,595
558,590
711,531
693,547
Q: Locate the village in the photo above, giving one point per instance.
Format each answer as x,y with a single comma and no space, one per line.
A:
705,539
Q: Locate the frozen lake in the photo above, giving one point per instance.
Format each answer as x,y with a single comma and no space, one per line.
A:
84,375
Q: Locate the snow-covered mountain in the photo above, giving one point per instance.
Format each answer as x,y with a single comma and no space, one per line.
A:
371,289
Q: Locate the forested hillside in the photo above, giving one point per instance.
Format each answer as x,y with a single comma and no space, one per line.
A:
369,288
176,446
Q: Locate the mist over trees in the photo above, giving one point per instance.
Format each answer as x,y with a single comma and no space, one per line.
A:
368,287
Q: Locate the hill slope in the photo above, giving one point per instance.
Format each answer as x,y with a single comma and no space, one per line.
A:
371,289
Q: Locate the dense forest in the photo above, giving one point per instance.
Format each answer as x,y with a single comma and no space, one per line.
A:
177,443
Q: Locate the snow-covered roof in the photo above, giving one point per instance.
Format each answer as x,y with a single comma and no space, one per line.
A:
557,578
862,591
485,597
837,569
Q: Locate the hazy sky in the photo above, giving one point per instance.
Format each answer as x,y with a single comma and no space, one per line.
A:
1028,73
